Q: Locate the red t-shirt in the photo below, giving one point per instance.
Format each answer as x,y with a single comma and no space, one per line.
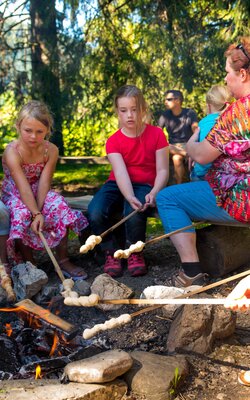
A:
139,153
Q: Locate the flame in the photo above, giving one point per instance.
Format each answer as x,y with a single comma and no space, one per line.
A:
8,329
54,345
38,372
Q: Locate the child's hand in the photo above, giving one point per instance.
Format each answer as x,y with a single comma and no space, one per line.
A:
37,223
149,201
135,203
237,299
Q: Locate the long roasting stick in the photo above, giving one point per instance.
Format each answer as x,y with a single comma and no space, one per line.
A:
119,223
52,257
127,318
93,240
166,235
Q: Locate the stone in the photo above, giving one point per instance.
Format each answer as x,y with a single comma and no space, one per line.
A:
196,327
153,375
27,280
47,389
103,367
108,288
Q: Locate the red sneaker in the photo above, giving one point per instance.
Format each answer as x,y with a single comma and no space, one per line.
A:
136,264
112,265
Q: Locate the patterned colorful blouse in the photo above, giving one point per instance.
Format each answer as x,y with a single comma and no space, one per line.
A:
229,175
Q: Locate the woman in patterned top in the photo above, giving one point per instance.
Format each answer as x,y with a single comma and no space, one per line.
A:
224,196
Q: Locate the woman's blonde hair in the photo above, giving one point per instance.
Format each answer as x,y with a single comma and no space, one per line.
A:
37,110
141,105
219,97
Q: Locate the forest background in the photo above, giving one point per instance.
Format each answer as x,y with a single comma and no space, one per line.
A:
75,54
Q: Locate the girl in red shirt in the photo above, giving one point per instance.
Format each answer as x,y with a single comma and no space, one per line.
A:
138,153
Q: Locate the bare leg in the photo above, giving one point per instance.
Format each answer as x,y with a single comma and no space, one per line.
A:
26,251
63,259
185,244
178,161
3,250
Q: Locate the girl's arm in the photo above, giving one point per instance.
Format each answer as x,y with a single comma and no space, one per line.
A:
201,152
13,162
123,180
47,175
162,175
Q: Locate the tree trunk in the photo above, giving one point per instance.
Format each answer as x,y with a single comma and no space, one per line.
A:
45,62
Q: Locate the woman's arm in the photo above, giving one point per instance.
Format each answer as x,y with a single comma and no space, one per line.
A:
162,175
123,180
201,152
47,175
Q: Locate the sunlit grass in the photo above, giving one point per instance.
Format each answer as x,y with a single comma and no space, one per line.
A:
84,174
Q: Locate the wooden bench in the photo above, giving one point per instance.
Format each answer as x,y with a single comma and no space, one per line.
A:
222,247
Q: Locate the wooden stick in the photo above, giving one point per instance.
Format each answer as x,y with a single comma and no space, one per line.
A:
166,235
119,223
52,257
166,301
193,292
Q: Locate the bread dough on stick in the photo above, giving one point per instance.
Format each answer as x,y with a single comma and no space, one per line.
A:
134,248
90,243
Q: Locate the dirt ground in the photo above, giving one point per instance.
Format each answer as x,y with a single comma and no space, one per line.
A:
212,376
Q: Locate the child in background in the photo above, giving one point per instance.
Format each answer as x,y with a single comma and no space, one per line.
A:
29,163
138,153
217,100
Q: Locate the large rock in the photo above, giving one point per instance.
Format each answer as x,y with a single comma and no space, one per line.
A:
51,389
152,375
196,327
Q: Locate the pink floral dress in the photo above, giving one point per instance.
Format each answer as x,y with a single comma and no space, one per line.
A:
57,214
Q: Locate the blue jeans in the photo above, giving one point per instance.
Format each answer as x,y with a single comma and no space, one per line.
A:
108,203
179,205
4,219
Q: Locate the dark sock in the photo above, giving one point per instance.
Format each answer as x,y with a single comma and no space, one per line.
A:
191,268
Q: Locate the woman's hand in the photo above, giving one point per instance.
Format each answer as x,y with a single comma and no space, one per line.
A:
238,299
134,202
37,223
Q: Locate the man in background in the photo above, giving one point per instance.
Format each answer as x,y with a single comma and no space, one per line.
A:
180,124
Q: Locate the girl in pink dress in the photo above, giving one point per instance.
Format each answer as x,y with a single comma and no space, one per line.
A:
29,163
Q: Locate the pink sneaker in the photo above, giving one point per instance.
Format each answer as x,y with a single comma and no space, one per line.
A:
136,264
112,265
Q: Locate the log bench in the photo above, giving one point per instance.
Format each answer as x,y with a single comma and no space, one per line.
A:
222,248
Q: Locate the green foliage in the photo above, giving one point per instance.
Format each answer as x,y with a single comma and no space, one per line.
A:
87,175
8,115
78,66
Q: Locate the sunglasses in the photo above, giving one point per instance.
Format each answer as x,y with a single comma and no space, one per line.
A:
170,99
241,47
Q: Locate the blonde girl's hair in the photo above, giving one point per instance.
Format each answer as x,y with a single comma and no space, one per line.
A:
219,97
141,105
37,110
